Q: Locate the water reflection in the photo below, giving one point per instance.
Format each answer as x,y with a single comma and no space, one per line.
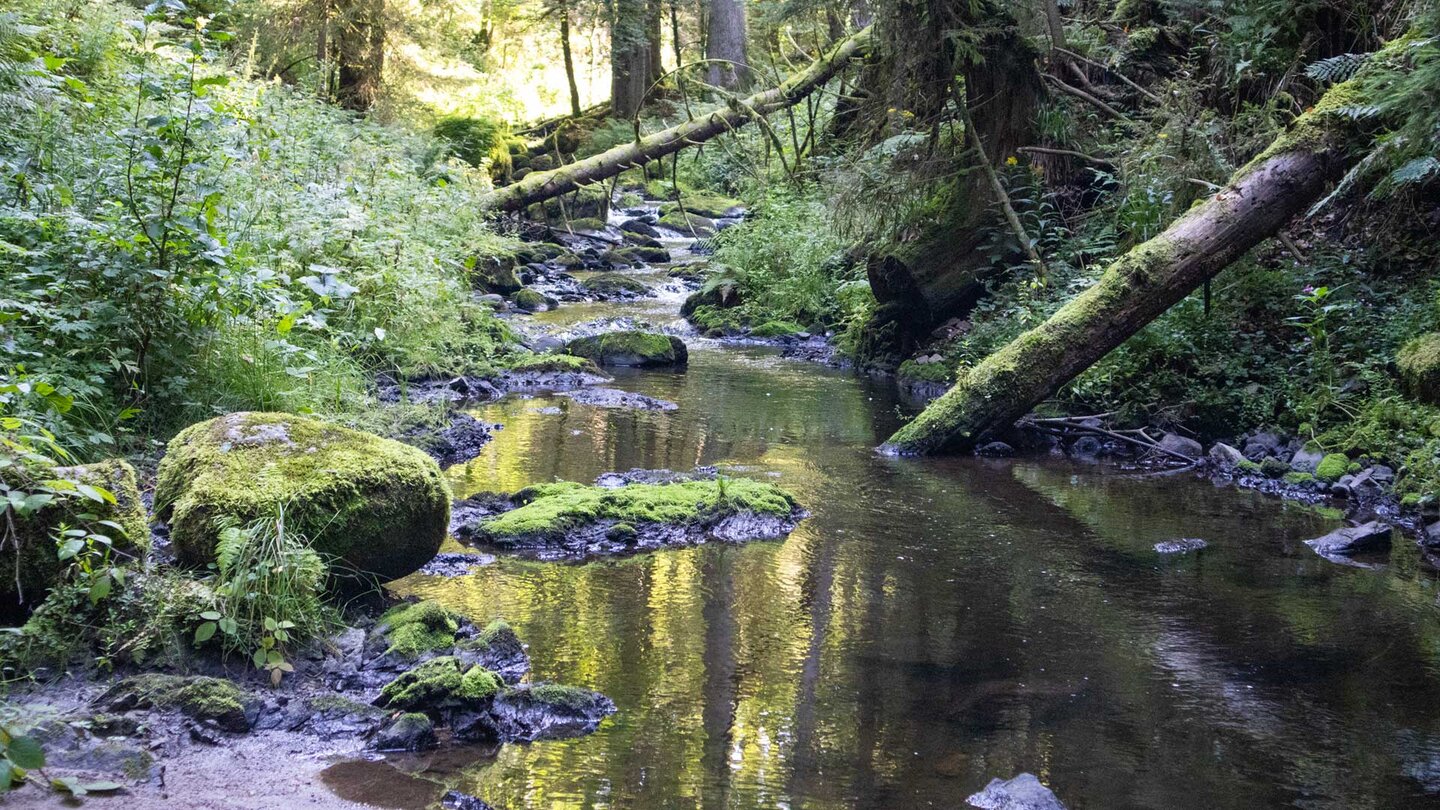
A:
936,623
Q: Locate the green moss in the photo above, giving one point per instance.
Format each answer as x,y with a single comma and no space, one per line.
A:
1419,365
414,630
641,254
495,630
630,348
1273,467
1248,467
557,694
552,510
715,321
688,224
1332,467
612,284
1411,500
439,683
375,506
777,329
529,300
200,697
1298,478
942,372
554,363
32,562
587,224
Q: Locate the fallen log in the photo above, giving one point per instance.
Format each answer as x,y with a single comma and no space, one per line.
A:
1140,286
542,186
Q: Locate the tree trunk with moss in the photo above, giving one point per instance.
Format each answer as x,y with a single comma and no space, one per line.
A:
542,186
1139,287
630,68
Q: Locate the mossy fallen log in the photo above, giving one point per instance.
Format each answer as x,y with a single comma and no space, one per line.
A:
1139,287
539,186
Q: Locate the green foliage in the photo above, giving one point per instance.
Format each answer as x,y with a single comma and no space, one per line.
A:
444,682
414,630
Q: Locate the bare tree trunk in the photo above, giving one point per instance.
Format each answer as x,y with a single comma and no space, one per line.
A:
726,41
360,46
322,52
544,185
630,72
569,60
1140,286
654,26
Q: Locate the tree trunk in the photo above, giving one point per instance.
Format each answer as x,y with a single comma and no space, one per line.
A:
726,41
629,57
654,26
569,60
1141,285
360,47
544,185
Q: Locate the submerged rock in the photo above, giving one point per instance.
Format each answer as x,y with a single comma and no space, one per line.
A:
460,439
1372,536
615,398
544,711
631,348
995,449
1183,545
1024,792
551,372
376,507
455,800
577,519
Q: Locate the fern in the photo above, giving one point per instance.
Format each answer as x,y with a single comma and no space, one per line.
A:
1337,68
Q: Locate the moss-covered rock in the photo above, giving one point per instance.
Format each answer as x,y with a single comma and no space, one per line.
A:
530,301
563,513
200,697
440,684
589,202
32,569
496,274
1419,366
554,363
771,329
936,372
713,321
615,286
369,505
631,348
411,731
688,224
1332,467
415,629
587,225
1273,467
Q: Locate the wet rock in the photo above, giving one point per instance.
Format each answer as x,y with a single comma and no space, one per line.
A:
640,227
995,450
328,717
1183,445
1430,537
1372,536
615,398
1183,545
460,439
453,564
438,389
615,287
528,713
1024,792
1086,447
525,382
198,697
631,348
411,731
1306,460
639,476
1225,456
455,800
1262,444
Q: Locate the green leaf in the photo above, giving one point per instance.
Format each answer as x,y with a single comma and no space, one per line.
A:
204,632
211,615
100,589
25,752
270,624
258,658
228,626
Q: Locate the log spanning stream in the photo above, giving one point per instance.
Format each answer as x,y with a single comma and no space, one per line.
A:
934,624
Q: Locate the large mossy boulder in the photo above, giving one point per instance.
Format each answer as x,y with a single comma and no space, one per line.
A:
496,274
36,566
631,348
1419,366
371,506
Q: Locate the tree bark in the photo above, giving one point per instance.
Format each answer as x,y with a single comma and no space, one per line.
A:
544,185
630,70
360,50
726,42
569,60
1141,285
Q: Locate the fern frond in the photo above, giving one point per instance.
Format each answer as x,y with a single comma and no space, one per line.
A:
1337,68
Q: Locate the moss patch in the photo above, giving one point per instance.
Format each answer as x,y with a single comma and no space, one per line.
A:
554,363
372,505
777,329
552,510
555,694
941,372
200,697
414,630
630,348
529,300
439,683
611,285
1419,364
1332,467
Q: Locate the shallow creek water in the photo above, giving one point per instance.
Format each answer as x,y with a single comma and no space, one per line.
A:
935,623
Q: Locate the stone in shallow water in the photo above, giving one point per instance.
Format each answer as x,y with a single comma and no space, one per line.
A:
1372,536
1024,792
1183,545
615,398
455,800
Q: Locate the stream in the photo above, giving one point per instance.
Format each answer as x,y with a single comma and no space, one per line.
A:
935,622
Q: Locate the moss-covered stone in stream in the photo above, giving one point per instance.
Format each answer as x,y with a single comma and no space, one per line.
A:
416,629
438,684
372,506
31,567
557,694
611,286
713,321
530,300
937,372
554,363
585,225
631,348
553,511
688,224
1419,365
776,329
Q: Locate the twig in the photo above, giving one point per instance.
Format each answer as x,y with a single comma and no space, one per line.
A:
1092,100
1045,150
1000,196
1072,424
1113,72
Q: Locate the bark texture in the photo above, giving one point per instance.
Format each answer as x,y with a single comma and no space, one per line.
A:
544,185
725,40
360,52
1141,285
630,55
